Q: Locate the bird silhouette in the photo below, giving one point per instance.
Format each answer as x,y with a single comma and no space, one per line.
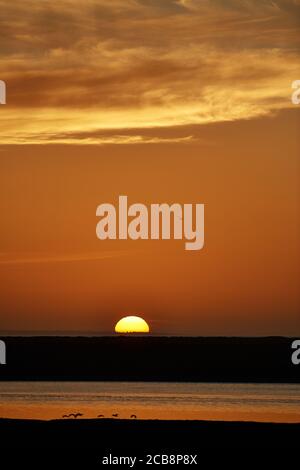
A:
75,415
65,416
100,416
115,415
133,416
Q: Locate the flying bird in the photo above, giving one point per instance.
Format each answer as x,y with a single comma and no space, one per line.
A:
100,416
115,415
75,415
133,416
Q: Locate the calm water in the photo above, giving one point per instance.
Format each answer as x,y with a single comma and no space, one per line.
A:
154,400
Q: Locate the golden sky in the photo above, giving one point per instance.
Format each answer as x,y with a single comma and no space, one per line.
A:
165,101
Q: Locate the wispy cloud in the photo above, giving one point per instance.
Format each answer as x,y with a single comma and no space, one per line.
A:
90,139
119,65
39,258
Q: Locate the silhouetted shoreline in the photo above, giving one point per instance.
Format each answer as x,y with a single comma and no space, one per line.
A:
145,435
150,358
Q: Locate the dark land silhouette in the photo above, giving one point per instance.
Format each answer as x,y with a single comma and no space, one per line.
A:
150,358
112,435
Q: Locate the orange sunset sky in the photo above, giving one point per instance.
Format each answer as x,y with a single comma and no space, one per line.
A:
183,101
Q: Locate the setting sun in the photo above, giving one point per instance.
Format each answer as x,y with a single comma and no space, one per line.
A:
132,324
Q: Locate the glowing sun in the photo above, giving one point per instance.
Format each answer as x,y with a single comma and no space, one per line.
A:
132,324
